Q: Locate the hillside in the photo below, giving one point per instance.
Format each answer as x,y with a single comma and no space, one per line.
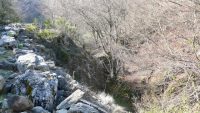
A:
28,71
143,53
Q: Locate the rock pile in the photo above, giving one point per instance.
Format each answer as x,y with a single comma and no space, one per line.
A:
38,86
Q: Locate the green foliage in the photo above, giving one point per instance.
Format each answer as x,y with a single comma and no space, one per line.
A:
46,34
65,25
48,24
31,28
29,88
60,21
60,24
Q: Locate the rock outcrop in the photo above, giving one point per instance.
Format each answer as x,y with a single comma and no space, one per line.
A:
31,61
7,41
42,86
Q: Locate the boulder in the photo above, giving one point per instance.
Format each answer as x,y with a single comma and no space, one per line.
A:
7,27
8,41
11,33
66,82
51,64
31,61
2,82
72,99
63,83
19,103
41,87
82,108
14,26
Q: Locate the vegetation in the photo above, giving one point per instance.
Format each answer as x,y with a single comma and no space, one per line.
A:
45,33
153,46
31,28
7,14
51,28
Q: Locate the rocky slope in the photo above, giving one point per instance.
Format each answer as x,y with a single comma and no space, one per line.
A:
31,83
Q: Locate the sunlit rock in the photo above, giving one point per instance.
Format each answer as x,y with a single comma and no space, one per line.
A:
40,86
31,61
7,41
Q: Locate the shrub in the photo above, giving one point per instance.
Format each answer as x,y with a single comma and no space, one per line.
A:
31,28
46,34
65,26
47,24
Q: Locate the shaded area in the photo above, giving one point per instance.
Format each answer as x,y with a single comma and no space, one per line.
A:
5,55
88,70
6,73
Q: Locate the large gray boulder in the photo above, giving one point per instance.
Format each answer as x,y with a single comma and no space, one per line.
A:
19,103
31,61
41,87
8,41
